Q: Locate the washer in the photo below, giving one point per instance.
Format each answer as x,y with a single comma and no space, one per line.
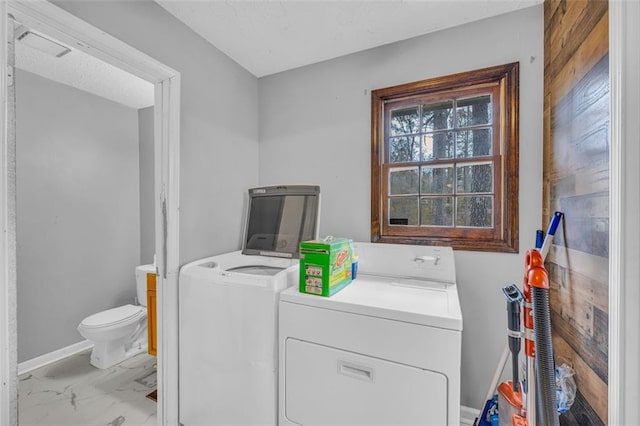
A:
384,350
229,312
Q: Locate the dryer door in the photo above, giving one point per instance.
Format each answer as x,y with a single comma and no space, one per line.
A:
328,386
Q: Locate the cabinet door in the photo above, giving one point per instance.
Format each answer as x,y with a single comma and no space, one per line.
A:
328,386
151,314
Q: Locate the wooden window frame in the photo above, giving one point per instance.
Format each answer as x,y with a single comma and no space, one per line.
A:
503,237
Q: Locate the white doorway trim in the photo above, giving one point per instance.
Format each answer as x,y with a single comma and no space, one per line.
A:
624,251
8,366
67,28
616,291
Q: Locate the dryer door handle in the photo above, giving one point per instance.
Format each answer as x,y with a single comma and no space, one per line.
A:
423,259
351,369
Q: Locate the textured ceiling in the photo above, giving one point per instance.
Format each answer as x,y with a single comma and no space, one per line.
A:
267,36
270,36
84,72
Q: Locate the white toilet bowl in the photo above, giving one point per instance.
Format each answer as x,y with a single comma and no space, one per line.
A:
119,333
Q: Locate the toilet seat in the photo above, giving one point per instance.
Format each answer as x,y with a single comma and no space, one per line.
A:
115,316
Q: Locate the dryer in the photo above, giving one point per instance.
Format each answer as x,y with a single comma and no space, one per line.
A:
384,350
229,312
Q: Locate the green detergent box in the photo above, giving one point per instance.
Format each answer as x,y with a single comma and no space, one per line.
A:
325,266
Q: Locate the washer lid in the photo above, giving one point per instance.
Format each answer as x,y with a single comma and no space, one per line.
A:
429,303
279,218
257,270
113,316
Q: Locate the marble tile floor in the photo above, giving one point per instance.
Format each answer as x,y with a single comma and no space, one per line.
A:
73,392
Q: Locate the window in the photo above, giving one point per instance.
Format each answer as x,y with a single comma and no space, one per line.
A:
444,162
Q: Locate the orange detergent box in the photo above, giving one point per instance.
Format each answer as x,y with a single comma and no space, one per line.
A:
325,266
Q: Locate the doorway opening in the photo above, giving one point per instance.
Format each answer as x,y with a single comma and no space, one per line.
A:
47,19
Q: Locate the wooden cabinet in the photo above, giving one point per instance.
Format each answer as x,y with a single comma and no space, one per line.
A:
151,314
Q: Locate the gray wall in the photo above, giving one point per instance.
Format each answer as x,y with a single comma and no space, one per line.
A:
78,222
315,128
147,215
219,119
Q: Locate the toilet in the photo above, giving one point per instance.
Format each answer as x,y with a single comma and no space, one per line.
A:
119,333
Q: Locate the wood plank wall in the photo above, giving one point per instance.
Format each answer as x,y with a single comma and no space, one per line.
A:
576,182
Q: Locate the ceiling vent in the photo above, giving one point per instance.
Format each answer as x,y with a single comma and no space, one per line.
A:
41,43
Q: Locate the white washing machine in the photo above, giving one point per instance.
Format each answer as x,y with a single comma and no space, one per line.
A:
229,312
385,350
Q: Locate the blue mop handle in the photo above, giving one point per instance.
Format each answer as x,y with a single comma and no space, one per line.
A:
539,238
553,226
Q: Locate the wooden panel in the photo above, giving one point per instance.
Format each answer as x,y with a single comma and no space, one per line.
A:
569,29
592,387
587,288
581,414
576,182
577,126
550,10
587,229
152,315
573,309
584,346
592,266
584,59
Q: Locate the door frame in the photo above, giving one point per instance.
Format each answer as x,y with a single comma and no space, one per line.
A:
624,227
69,29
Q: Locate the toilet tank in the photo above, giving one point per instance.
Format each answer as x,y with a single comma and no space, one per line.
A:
141,282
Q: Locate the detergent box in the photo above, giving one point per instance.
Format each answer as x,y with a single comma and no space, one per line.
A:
325,266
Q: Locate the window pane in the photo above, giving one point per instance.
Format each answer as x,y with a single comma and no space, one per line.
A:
436,211
473,143
404,149
403,211
437,116
474,111
475,178
403,181
475,211
404,121
437,145
436,180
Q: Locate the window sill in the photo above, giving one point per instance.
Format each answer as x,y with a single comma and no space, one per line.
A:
492,245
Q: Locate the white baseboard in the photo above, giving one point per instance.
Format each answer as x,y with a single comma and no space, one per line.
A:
42,360
468,415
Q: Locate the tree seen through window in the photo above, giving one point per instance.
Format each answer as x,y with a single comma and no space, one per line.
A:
453,129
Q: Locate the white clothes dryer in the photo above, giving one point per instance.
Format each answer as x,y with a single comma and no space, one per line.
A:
228,319
384,350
